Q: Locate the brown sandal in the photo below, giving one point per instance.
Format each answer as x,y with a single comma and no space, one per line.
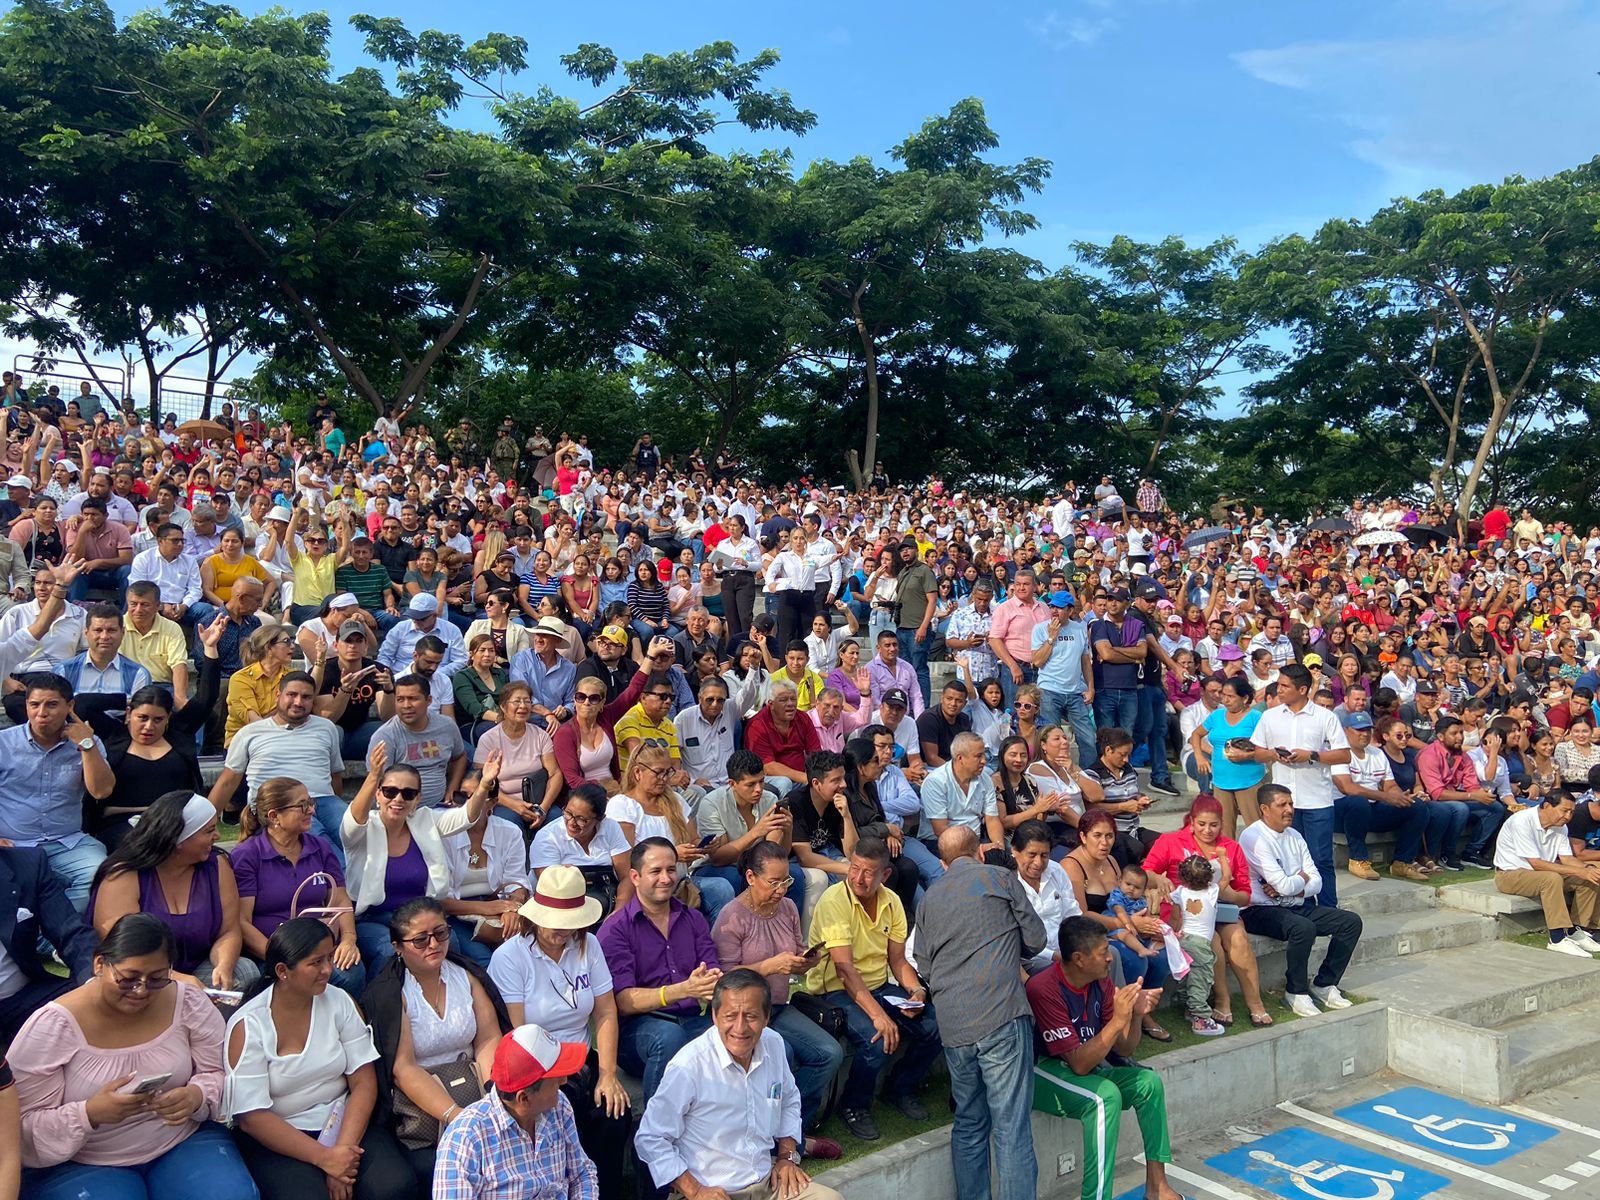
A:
1261,1019
1225,1019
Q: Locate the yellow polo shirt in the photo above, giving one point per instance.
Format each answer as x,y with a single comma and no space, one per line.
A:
157,651
634,724
841,921
806,688
313,581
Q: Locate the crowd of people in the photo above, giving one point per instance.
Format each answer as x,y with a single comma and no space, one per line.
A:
664,779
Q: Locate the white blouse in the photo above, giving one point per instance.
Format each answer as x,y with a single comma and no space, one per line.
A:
790,572
435,1039
1055,901
301,1088
554,846
505,861
557,995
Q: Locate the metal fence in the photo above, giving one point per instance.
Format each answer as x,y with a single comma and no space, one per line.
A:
185,397
39,372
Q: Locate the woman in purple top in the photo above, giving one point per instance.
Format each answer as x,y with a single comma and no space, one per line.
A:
169,867
277,866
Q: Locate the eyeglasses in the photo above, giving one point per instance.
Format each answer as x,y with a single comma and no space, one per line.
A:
423,940
589,697
145,983
659,695
399,793
577,821
777,885
658,772
307,807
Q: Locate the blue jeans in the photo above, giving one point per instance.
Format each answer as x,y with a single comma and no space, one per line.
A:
929,869
356,742
919,1038
372,939
1316,826
991,1083
1483,822
1151,731
326,821
716,893
204,1164
1359,816
1116,706
916,653
386,621
1447,820
645,1045
75,867
814,1058
1069,709
1030,674
734,878
115,580
1153,971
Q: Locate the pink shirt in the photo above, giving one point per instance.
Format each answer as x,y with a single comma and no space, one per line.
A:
518,759
833,736
57,1072
1013,624
744,939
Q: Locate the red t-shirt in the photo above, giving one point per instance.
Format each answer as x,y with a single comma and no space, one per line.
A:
1068,1017
1495,524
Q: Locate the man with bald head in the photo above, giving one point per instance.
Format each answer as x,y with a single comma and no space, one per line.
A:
975,930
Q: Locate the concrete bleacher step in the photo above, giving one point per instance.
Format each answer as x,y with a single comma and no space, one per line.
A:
1386,937
1486,985
1517,914
1376,897
1550,1048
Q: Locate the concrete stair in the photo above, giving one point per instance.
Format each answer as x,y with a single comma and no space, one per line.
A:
1515,914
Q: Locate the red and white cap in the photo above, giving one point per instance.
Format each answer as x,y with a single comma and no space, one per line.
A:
528,1054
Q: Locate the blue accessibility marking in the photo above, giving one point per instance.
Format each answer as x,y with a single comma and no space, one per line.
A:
1297,1164
1133,1193
1448,1125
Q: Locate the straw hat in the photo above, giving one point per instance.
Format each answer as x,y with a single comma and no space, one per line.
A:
560,900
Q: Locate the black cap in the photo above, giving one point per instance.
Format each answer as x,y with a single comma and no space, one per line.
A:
1149,589
897,696
1117,593
1425,688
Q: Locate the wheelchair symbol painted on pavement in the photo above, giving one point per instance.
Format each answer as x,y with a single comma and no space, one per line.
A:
1463,1131
1298,1164
1307,1175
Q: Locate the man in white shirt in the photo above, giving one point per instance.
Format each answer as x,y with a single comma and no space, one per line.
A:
1303,742
1533,857
726,1100
1371,801
705,735
170,569
1284,885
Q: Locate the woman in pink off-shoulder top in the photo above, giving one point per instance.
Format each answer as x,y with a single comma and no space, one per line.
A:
120,1082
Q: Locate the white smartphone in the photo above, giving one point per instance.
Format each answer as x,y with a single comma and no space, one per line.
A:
150,1084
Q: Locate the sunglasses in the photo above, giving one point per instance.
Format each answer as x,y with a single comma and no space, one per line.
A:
147,983
589,697
399,793
423,940
659,695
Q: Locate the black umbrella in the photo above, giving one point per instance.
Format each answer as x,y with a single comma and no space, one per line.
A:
1331,525
1204,537
1421,535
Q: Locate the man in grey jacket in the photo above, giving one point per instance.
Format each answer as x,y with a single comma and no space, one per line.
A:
974,931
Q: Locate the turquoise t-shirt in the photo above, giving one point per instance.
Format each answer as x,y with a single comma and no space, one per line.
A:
1232,776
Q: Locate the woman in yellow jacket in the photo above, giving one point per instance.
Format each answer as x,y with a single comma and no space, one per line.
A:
253,691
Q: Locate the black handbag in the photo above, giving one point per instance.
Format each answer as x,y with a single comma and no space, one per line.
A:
828,1016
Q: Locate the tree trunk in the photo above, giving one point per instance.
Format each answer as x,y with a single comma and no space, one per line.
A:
869,349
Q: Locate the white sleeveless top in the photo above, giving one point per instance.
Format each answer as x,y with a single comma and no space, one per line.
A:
437,1040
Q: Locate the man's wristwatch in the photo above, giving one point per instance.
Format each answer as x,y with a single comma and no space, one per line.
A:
792,1156
86,744
1316,756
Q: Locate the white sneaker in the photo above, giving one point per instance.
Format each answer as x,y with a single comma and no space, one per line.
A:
1301,1005
1329,997
1585,940
1569,945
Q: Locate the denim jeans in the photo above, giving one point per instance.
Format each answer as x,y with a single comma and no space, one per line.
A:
1358,816
716,893
354,743
372,939
1030,674
735,880
919,1038
916,653
1483,822
1316,826
1116,706
646,1044
204,1164
1154,970
1150,731
75,866
330,813
115,580
1069,709
814,1058
1447,820
991,1083
929,869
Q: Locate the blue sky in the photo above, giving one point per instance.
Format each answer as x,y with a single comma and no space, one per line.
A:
1240,117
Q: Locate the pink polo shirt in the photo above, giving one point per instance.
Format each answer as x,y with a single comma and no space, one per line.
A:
1013,624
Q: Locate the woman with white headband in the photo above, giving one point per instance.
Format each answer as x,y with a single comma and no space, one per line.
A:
169,867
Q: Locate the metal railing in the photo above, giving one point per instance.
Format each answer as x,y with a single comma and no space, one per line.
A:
39,371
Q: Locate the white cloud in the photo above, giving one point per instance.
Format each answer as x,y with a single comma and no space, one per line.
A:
1509,89
1060,31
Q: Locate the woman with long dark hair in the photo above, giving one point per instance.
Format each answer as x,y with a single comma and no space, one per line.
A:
169,867
85,1133
300,1070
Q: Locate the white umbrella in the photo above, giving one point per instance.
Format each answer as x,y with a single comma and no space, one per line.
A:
1380,537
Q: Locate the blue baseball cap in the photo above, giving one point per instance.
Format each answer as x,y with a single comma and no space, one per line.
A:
1358,720
1061,599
